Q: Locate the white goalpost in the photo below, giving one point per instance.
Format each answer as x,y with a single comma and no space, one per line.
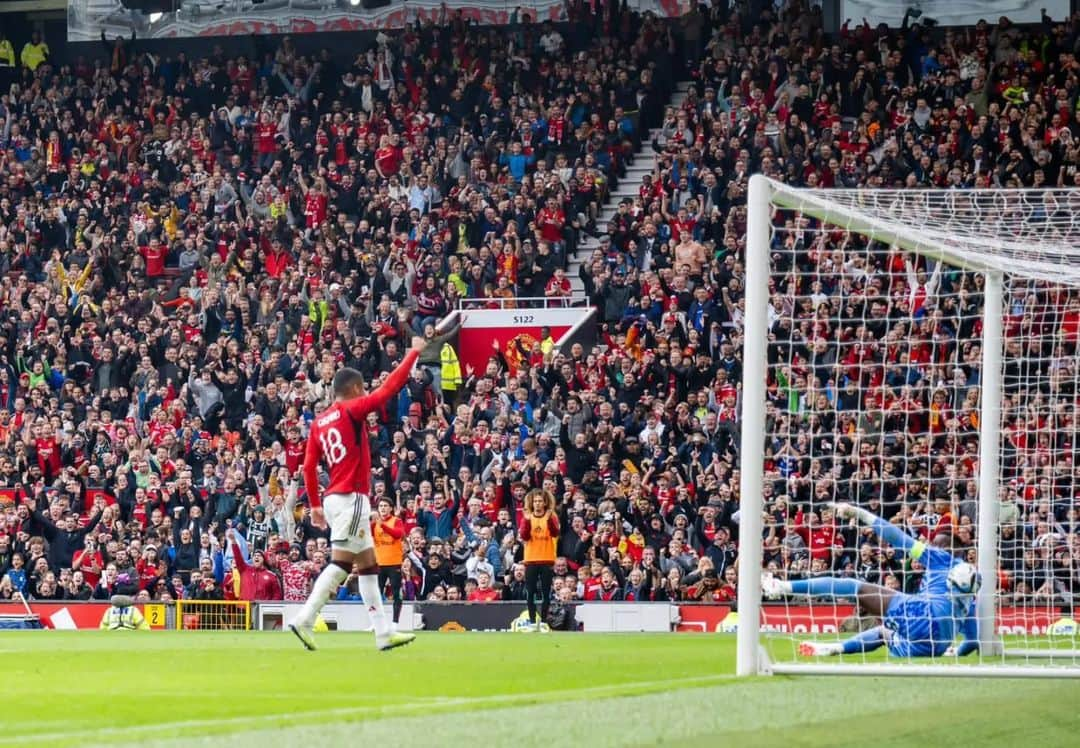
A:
915,353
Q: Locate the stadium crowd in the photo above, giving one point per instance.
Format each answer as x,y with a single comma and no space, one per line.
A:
189,248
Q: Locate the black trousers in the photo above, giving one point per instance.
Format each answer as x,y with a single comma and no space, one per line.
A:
538,578
392,574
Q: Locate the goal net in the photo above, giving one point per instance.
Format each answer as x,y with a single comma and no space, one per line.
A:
909,406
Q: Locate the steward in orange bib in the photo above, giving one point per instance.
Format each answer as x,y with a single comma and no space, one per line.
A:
539,531
387,532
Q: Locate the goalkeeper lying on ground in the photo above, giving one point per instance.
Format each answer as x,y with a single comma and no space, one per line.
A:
920,625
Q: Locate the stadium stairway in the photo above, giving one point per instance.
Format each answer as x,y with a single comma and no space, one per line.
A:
644,163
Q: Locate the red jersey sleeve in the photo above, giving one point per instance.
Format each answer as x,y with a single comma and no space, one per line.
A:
394,529
359,407
311,471
525,528
238,558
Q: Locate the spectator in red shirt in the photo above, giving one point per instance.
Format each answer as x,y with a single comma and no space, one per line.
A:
266,141
89,561
609,590
484,592
818,535
558,288
154,254
257,582
551,220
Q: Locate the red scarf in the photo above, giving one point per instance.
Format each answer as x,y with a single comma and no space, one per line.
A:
556,130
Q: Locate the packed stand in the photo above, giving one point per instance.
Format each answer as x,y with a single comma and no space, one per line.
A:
193,247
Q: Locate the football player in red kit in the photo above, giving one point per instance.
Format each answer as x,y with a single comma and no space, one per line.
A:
339,439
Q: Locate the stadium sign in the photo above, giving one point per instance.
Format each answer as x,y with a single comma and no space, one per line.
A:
517,332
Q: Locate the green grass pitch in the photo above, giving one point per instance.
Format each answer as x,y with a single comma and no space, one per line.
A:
264,690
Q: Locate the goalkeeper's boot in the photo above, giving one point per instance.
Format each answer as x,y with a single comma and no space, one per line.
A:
771,587
820,649
393,640
305,635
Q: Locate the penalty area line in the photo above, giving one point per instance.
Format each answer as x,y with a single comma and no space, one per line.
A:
390,710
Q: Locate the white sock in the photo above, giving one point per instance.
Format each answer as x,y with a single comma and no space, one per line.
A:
369,591
326,586
785,587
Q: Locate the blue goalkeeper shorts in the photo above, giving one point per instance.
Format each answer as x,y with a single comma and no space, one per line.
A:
922,625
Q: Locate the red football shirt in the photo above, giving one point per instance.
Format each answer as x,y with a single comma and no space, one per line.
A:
489,595
265,133
48,455
155,260
339,438
294,456
315,206
551,224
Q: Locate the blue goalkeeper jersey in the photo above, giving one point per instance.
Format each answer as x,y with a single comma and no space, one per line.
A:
937,563
926,624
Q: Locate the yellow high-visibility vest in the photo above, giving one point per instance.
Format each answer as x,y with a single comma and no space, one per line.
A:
123,619
451,367
34,54
7,54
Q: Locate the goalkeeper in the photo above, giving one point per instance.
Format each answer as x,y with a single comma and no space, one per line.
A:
924,624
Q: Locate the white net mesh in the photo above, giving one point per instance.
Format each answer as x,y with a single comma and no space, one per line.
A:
874,372
1034,231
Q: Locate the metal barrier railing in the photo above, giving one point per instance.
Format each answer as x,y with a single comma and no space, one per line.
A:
524,302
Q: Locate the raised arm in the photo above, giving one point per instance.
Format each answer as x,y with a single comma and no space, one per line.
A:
238,555
289,530
359,407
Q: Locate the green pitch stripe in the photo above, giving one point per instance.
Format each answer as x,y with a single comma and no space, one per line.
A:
765,712
358,712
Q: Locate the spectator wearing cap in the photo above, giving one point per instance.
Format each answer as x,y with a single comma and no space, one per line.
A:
296,573
254,580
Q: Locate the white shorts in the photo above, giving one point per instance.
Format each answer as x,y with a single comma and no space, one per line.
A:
349,517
